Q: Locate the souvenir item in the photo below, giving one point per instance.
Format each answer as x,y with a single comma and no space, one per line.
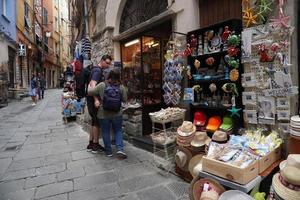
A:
197,64
235,111
212,87
234,40
226,34
232,51
200,139
203,185
248,80
250,116
249,98
234,75
195,165
214,123
210,61
187,128
220,136
264,55
205,44
168,113
266,106
227,123
182,158
283,114
233,63
280,22
264,9
199,118
230,88
215,42
248,17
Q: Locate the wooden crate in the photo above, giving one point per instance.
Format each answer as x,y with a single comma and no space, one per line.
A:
230,172
267,160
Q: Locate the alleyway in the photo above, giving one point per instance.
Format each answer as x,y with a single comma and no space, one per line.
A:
41,158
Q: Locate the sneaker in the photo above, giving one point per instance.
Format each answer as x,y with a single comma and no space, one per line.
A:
33,104
96,148
121,155
89,147
109,155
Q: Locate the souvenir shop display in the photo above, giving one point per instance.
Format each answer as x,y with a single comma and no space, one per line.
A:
266,79
206,188
215,74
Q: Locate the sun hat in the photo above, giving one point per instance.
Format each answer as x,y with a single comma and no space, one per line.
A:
235,194
197,187
227,123
199,118
209,195
195,165
283,191
292,160
182,158
186,129
214,123
220,136
291,175
200,139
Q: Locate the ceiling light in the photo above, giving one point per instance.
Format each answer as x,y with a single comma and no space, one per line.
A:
132,42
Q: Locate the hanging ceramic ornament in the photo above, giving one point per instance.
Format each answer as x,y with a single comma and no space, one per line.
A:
234,75
232,51
233,63
280,22
234,111
234,40
210,61
230,88
264,9
225,34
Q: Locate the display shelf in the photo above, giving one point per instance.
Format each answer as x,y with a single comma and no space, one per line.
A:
212,80
213,54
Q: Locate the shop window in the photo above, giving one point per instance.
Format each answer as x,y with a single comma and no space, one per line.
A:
27,22
45,16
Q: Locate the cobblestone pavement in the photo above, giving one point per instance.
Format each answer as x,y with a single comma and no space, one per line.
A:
41,158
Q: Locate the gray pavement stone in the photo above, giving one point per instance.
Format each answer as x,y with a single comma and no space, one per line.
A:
54,189
11,186
130,196
18,174
70,174
79,155
27,154
131,171
58,197
26,164
95,169
50,169
161,193
58,158
141,182
39,181
102,192
59,149
180,189
81,163
93,181
4,163
19,195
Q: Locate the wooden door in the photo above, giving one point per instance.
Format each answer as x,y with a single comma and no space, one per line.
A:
214,11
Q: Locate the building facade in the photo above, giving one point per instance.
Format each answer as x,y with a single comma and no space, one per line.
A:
10,77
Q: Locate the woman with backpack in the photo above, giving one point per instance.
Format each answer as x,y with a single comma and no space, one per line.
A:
112,94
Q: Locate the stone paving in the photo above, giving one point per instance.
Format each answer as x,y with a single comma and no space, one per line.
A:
42,158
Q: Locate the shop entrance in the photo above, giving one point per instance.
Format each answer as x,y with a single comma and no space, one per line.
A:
142,59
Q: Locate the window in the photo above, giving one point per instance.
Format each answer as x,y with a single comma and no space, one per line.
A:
56,23
46,43
56,48
62,43
27,22
4,7
45,16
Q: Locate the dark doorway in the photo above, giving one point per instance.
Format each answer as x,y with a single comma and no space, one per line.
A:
11,67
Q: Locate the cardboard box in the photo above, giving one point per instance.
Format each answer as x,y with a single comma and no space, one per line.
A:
267,160
230,172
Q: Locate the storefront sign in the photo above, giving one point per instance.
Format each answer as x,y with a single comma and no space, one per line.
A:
281,92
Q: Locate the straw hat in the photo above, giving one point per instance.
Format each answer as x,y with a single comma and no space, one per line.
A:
209,195
195,165
186,129
198,187
200,139
220,136
292,160
284,192
182,158
235,194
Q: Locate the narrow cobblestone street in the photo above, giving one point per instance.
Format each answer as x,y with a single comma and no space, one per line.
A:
41,158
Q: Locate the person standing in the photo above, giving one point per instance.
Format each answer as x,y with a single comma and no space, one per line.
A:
93,102
33,89
61,80
42,86
112,94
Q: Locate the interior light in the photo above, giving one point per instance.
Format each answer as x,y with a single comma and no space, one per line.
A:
156,44
132,42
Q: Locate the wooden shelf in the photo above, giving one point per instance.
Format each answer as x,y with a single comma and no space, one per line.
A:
223,80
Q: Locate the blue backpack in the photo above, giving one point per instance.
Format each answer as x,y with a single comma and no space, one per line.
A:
112,97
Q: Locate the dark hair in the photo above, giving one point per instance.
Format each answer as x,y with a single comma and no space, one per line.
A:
114,76
106,56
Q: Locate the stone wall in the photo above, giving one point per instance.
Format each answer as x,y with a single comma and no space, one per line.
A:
102,43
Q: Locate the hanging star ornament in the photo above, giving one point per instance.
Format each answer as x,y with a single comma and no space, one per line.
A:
249,17
280,22
234,111
264,8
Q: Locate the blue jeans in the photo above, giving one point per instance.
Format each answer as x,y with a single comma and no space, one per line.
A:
116,124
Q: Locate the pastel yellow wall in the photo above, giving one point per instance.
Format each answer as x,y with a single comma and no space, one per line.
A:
20,17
